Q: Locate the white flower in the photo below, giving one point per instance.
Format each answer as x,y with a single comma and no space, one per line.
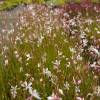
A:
35,94
47,72
39,65
3,30
77,89
89,21
27,86
56,63
40,39
16,54
30,7
94,49
54,97
68,64
27,75
33,13
28,56
93,65
72,22
21,69
85,41
72,50
79,57
5,48
11,31
82,35
61,91
97,90
79,98
14,91
87,29
98,32
66,15
66,85
6,62
49,29
59,53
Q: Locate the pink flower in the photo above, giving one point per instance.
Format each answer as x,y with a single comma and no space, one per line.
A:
29,98
79,98
79,82
54,97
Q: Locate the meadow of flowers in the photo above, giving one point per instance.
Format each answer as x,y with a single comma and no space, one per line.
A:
51,53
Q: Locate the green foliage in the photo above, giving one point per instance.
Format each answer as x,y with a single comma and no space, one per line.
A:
55,2
8,4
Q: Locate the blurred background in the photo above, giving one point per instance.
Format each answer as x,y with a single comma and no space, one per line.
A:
4,4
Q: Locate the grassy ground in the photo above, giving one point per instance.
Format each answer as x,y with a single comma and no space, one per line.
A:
51,54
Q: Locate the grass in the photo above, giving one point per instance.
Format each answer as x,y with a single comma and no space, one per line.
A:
45,53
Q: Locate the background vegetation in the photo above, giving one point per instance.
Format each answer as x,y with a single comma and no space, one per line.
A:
8,4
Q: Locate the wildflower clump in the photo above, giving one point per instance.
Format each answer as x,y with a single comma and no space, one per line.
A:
51,53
